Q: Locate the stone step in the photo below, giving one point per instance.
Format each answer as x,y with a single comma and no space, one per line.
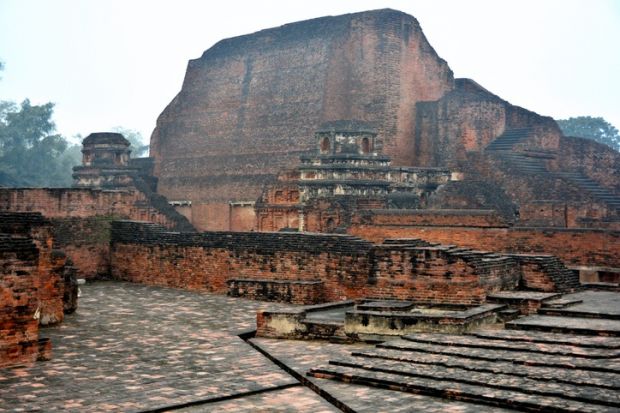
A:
550,338
545,387
561,303
507,345
508,139
601,286
592,187
456,391
568,312
516,357
508,314
567,325
572,376
325,329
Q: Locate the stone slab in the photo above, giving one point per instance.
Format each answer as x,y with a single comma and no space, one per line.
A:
508,345
301,356
585,326
550,338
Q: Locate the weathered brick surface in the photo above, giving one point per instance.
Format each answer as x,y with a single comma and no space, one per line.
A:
290,291
80,203
585,247
249,106
564,214
81,218
18,300
49,277
348,267
35,287
467,119
598,161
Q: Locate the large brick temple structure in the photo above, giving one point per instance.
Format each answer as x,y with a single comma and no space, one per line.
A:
249,108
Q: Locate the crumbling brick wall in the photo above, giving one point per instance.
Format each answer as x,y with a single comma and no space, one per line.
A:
19,325
348,267
80,219
574,246
35,287
49,279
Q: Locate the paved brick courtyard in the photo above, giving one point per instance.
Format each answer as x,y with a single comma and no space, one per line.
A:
134,348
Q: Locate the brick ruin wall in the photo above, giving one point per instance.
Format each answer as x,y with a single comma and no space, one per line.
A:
597,161
251,104
442,217
348,267
50,263
18,301
574,246
81,217
37,287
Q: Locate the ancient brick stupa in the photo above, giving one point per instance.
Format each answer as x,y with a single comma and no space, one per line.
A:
105,162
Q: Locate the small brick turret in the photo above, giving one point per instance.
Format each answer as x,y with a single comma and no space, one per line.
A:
105,162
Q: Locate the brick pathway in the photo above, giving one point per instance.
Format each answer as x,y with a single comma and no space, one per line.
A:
135,348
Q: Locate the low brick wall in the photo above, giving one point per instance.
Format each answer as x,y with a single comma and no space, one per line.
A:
290,291
349,267
575,247
431,217
80,218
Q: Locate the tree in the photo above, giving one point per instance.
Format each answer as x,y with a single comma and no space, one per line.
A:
588,127
138,147
31,154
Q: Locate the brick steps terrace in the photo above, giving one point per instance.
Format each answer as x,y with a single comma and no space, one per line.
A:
564,280
503,148
502,369
592,187
508,139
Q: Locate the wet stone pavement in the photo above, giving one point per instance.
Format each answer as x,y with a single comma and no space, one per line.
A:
137,348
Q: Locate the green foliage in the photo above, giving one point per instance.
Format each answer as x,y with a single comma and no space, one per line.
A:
31,154
138,147
597,129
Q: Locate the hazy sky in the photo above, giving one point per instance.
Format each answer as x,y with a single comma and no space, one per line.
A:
119,62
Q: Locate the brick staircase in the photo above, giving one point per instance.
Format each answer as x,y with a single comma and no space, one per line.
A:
508,139
563,279
597,191
524,163
502,148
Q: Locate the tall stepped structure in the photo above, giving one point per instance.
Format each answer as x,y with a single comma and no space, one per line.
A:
249,106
